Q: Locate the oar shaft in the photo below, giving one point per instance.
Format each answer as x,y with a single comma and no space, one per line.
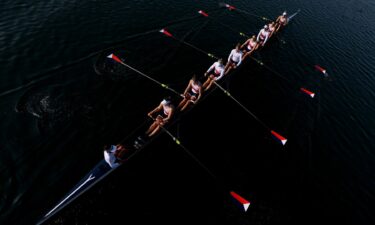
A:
232,29
224,185
168,34
196,48
150,78
280,138
242,106
254,15
270,69
178,142
139,72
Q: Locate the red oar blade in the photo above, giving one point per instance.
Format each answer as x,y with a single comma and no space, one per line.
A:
319,68
114,57
311,94
203,13
230,7
245,203
278,137
165,32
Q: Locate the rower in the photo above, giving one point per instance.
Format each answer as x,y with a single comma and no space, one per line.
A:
192,93
272,28
249,46
234,59
164,112
263,35
113,155
281,21
215,73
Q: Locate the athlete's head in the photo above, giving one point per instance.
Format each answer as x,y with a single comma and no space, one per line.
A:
109,148
194,78
284,13
238,46
167,100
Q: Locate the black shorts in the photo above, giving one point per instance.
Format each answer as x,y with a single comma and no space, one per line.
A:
191,93
232,62
281,24
162,114
213,74
247,49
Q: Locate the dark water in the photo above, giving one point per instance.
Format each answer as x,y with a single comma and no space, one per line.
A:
56,113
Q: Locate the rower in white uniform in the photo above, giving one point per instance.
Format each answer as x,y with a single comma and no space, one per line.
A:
192,93
164,112
263,35
214,73
234,59
249,46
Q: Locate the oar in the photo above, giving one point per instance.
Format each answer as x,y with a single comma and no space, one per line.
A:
239,199
203,13
117,59
178,142
270,69
168,34
232,8
322,70
274,134
309,93
302,89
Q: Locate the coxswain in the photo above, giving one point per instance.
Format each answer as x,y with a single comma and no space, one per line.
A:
214,73
192,93
113,155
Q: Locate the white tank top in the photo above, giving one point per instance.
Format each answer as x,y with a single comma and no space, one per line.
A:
195,87
251,44
166,109
264,34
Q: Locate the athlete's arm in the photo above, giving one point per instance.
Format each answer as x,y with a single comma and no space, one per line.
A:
158,108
